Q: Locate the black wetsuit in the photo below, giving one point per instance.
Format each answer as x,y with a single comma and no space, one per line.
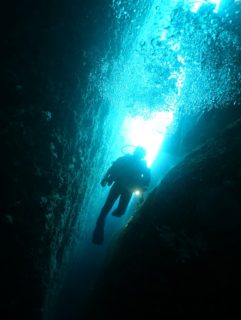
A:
127,174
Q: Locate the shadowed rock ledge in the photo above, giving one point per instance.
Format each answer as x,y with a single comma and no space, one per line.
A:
180,253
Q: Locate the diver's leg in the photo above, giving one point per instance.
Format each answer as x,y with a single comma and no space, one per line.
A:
123,203
98,235
112,197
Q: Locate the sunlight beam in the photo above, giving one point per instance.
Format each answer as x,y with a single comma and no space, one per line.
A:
147,132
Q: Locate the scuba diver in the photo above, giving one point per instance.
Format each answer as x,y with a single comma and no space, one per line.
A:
127,174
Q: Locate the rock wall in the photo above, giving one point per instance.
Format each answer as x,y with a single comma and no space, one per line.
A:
51,125
180,254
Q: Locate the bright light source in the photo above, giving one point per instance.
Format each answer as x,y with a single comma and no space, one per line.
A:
137,193
148,132
197,4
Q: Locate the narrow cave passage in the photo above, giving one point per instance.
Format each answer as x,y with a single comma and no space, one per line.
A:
166,75
84,81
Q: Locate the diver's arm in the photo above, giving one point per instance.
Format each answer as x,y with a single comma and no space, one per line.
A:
103,182
106,177
111,172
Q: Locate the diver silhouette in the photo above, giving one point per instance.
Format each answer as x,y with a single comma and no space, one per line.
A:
126,175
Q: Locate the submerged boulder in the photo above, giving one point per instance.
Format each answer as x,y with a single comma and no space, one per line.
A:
180,254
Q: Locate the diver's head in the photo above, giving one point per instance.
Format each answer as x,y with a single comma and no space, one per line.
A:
140,152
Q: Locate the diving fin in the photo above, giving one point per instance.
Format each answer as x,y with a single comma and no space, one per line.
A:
98,235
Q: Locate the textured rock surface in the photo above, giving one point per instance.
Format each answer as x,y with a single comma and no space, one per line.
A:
180,254
48,132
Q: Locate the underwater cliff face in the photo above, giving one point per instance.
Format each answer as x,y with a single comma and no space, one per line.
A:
180,254
50,121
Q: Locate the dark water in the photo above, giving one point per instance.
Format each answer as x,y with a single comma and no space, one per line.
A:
80,279
78,283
